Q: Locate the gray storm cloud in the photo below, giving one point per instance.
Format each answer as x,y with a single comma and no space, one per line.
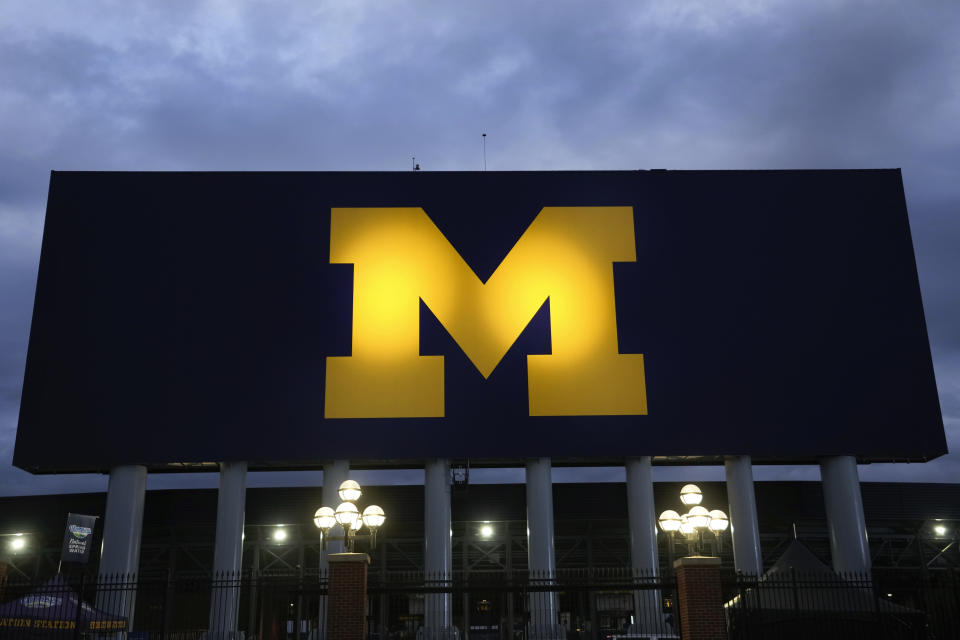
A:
366,85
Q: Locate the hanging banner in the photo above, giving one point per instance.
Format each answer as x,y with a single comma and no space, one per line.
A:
77,538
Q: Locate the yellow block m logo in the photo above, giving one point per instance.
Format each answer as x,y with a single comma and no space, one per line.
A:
400,257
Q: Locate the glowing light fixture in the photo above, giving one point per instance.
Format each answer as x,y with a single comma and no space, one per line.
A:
349,517
693,523
940,530
373,516
699,517
350,491
324,518
346,514
718,520
18,543
486,531
279,534
670,520
690,494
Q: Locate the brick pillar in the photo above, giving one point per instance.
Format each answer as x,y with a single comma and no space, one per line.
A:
347,597
700,599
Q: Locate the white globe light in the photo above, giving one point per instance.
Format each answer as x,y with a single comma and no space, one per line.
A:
279,534
346,514
685,527
350,491
373,516
356,525
690,494
324,518
698,517
718,520
18,543
670,520
486,531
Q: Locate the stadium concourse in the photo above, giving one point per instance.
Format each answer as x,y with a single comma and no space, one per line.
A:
909,525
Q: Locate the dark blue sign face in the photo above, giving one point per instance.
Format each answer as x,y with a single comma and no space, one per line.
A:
287,318
78,538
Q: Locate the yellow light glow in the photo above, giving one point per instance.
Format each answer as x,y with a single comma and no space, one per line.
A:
690,494
718,520
400,257
698,517
349,491
373,516
324,518
670,520
346,514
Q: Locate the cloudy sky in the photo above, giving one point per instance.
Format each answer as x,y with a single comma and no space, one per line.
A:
353,85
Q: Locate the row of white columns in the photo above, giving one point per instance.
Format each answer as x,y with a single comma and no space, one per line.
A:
841,488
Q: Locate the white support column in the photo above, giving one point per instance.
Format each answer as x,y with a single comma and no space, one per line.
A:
648,614
844,505
228,550
438,553
544,622
747,554
122,528
334,473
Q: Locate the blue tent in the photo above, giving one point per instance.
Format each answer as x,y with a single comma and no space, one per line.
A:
53,608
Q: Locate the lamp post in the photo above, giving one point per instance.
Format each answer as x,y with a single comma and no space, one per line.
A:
349,516
692,524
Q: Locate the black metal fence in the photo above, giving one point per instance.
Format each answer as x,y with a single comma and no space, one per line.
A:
569,605
479,606
793,605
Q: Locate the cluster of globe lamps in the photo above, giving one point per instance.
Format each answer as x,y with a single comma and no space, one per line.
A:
348,516
697,518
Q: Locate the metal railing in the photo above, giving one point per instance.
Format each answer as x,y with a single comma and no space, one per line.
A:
791,604
520,605
578,604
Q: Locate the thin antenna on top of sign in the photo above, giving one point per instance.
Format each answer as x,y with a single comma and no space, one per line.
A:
413,161
483,144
